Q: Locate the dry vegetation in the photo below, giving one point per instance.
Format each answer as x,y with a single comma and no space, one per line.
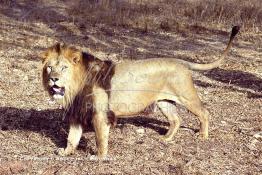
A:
30,124
171,15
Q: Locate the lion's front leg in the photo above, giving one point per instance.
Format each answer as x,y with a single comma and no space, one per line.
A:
74,136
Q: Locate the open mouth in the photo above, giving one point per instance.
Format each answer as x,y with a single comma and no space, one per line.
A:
56,90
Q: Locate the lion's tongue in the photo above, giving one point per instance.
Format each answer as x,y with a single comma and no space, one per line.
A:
58,90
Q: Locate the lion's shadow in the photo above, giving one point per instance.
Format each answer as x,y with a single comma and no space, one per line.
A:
157,125
49,123
234,80
46,122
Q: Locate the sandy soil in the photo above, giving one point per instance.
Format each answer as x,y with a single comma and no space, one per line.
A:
31,126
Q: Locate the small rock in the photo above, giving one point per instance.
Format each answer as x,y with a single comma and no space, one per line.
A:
223,122
26,78
206,92
140,131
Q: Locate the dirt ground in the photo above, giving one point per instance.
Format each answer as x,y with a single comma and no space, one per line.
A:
31,126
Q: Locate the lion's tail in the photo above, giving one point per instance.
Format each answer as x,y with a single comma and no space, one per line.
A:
208,66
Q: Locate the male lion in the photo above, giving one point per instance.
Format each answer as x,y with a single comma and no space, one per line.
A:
88,87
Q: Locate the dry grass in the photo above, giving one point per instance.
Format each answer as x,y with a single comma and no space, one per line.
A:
171,15
31,128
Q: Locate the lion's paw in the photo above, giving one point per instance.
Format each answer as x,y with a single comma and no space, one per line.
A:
166,138
202,136
63,152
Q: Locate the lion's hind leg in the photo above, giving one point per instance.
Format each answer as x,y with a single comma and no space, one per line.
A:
197,108
169,110
188,97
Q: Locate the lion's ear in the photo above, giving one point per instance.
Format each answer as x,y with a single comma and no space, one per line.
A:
77,56
56,48
43,55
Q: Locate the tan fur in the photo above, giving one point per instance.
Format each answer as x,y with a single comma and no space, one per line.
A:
75,133
94,89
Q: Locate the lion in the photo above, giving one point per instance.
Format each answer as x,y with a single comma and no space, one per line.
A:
101,91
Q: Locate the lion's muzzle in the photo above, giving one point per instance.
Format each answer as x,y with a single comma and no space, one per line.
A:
55,90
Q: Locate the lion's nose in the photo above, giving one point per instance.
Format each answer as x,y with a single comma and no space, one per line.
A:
54,79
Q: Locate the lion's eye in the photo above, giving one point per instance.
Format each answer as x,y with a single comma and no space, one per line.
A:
64,67
49,69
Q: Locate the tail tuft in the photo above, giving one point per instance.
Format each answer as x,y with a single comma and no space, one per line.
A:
234,32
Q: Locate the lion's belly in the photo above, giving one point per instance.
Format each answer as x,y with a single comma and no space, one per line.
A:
131,95
126,103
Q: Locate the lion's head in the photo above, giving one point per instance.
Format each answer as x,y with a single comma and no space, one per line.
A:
63,73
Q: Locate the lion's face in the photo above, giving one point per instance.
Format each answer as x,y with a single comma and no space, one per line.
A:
58,72
62,72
